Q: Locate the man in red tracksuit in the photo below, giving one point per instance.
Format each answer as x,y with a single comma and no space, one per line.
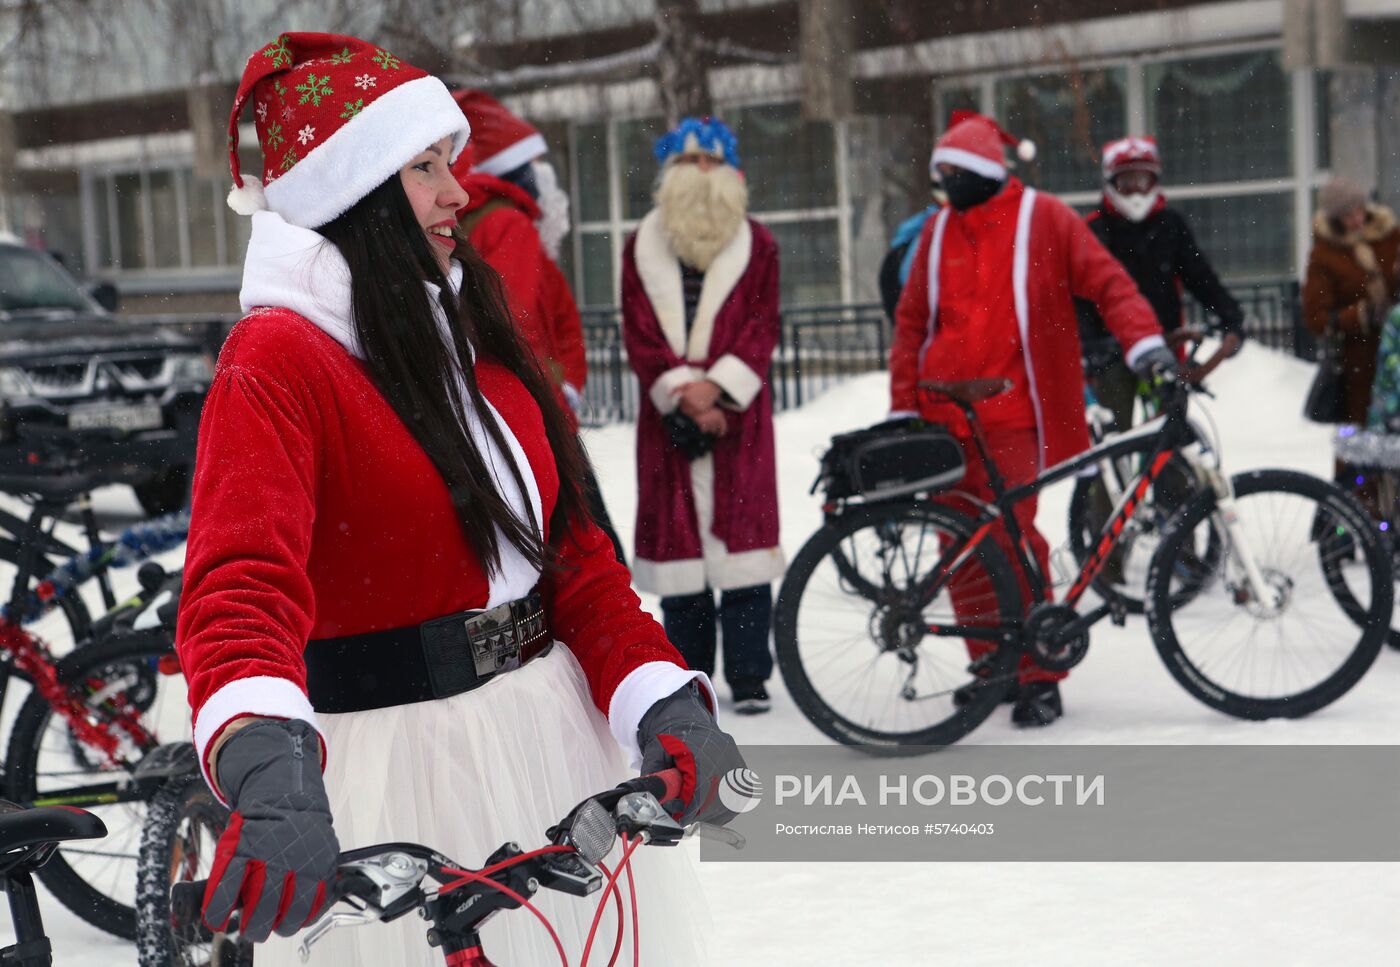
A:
516,219
991,295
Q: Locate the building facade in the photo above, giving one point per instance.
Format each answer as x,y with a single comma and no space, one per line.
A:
1250,118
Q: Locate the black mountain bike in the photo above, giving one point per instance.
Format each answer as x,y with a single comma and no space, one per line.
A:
28,838
1287,618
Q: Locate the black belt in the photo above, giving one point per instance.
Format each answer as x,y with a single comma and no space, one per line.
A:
437,659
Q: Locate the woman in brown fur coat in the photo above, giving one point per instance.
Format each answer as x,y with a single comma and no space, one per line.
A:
1350,286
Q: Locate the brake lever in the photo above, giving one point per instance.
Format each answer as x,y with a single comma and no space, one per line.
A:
331,921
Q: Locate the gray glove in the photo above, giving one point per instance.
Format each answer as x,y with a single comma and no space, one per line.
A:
276,860
679,731
1158,363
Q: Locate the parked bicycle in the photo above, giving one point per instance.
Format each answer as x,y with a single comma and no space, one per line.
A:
384,883
83,735
28,839
1284,622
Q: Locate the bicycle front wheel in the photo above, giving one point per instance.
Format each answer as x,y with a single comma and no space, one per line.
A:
114,681
870,654
183,825
1306,640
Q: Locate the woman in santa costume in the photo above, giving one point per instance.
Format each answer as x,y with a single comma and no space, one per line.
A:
991,296
391,573
700,322
516,216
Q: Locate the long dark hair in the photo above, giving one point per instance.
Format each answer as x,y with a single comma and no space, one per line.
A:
390,260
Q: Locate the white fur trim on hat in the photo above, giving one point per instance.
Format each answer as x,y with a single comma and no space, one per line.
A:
957,157
508,159
248,199
359,157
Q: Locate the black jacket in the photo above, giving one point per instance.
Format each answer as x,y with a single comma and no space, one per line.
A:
1161,255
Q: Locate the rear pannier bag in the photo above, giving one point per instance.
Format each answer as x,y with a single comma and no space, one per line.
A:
892,459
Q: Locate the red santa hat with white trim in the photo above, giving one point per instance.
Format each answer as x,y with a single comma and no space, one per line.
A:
335,117
501,141
977,143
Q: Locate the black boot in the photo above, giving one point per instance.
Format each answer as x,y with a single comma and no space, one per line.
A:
1037,704
750,698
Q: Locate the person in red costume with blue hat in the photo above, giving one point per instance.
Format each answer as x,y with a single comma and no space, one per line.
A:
991,295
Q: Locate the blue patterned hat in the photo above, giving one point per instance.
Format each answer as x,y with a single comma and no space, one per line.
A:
699,134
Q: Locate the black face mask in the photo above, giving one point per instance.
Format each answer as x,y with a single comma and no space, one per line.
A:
967,189
524,178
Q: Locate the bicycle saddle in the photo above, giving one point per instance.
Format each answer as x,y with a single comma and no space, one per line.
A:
966,390
22,828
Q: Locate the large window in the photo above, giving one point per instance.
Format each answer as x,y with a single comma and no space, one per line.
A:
1069,117
792,173
1226,127
162,218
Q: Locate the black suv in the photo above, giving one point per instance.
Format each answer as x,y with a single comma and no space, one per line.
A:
83,390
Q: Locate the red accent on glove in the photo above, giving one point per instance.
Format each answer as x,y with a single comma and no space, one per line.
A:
228,846
289,890
685,762
253,882
317,904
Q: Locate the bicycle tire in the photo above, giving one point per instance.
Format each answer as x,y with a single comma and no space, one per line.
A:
101,663
74,611
170,853
1084,531
1204,682
788,644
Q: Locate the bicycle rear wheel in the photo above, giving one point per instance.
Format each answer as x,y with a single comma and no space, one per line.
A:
1132,557
857,641
1323,623
115,679
183,825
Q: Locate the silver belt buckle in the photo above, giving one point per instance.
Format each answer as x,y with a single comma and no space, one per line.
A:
493,640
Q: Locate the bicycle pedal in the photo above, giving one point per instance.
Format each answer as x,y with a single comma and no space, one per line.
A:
1117,614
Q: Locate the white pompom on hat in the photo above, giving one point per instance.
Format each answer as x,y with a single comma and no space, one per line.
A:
977,143
335,117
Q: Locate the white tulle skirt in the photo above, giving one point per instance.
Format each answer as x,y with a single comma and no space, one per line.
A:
466,774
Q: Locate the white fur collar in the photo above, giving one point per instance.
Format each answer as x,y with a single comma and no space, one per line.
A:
295,268
660,272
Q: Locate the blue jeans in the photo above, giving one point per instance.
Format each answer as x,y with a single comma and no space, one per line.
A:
745,619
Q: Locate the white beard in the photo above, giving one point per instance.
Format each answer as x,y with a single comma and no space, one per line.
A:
553,222
1133,207
701,210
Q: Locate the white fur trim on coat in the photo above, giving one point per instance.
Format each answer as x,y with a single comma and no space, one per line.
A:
366,151
1020,276
508,159
642,688
663,391
262,696
740,384
297,269
959,158
660,272
718,567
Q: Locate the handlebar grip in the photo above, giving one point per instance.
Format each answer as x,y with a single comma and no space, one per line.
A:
664,785
187,897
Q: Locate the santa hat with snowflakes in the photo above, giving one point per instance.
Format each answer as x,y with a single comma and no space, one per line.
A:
501,141
335,117
977,143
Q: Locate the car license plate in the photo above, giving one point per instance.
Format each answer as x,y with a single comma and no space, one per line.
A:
144,416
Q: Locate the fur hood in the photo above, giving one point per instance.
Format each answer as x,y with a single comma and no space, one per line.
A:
1380,222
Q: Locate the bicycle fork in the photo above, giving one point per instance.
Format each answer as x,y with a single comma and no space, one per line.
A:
1228,519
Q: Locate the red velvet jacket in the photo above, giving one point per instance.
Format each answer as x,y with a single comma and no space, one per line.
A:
316,513
1054,258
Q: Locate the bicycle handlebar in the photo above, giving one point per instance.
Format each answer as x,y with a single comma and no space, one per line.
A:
353,882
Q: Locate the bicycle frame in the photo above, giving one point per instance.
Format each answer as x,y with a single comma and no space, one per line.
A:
1157,440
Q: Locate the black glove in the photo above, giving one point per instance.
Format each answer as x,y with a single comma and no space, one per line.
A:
686,434
1158,364
277,858
679,731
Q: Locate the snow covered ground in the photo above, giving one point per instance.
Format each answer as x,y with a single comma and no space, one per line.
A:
786,915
